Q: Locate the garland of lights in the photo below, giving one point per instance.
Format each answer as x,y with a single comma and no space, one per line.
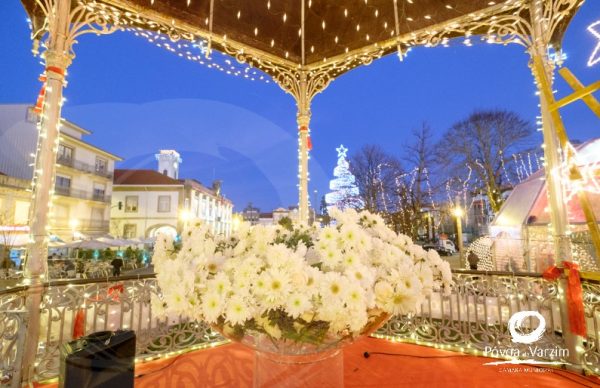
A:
198,52
594,29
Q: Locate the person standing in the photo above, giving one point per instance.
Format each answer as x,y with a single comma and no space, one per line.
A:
117,263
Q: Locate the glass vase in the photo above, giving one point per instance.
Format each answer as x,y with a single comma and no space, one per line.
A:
322,369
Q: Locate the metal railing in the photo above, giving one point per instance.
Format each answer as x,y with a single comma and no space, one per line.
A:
83,224
83,194
18,183
84,167
99,304
472,317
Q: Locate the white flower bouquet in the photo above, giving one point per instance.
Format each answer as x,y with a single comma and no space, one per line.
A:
296,284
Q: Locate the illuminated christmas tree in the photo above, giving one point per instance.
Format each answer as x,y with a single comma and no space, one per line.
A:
344,191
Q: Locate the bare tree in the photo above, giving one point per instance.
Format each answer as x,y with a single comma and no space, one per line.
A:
413,188
376,173
484,143
8,238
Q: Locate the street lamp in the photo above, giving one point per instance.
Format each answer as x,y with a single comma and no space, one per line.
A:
236,221
458,213
73,224
185,216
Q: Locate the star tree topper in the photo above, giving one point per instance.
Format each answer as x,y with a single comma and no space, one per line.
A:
341,150
594,28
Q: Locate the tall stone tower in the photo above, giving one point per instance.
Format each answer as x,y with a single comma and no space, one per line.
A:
168,163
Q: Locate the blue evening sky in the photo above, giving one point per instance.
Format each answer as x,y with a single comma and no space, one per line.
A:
137,98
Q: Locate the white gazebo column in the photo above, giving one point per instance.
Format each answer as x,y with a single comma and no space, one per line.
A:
543,70
542,67
303,119
57,59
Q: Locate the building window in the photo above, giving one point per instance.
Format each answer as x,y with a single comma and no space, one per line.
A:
21,215
62,185
129,230
64,155
131,204
99,191
164,203
31,117
101,165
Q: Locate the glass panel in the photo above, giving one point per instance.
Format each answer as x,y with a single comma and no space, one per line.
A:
164,203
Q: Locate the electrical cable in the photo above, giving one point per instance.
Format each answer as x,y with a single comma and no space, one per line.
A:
159,369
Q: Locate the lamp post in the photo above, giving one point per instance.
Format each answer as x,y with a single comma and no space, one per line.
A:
73,224
458,213
185,217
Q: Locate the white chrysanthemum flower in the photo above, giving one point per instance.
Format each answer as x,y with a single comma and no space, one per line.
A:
219,284
355,297
357,319
328,234
277,287
214,263
351,259
297,304
237,311
331,257
333,287
362,274
212,306
401,302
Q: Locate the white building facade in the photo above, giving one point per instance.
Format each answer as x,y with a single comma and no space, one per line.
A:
84,174
147,202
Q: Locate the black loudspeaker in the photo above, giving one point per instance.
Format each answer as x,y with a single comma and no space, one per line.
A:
105,359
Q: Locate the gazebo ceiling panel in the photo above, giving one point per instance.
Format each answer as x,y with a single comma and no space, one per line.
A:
332,27
270,30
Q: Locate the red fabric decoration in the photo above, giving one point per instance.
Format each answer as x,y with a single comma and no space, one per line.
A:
56,70
303,128
574,296
115,291
308,143
79,324
42,95
40,100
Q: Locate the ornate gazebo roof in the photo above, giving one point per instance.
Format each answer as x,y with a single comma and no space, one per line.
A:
333,36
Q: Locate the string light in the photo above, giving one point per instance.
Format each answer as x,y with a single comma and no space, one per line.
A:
195,52
594,29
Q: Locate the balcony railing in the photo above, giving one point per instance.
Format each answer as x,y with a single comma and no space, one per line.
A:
9,181
85,167
473,316
82,224
83,194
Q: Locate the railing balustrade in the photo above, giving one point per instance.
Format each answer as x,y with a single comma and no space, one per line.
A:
83,194
84,167
472,317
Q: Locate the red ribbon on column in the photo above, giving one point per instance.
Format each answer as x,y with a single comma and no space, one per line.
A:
39,104
79,324
574,296
40,100
309,145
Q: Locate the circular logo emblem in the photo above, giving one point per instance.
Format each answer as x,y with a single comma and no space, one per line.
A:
516,322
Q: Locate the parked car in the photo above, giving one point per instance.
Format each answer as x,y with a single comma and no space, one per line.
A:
443,247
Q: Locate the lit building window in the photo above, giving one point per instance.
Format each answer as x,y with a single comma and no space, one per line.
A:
129,230
164,204
131,204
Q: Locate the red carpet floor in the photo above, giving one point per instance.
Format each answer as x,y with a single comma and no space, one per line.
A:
232,366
